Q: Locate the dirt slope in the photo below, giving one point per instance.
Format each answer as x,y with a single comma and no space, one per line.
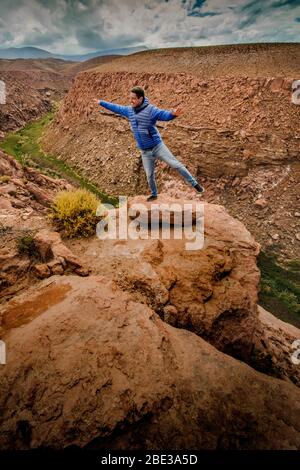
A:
91,63
39,65
24,102
246,60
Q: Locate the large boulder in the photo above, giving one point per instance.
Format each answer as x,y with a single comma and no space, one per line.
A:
212,291
273,347
55,255
46,255
88,366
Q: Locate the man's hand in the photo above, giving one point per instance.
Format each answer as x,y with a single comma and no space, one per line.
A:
95,100
178,111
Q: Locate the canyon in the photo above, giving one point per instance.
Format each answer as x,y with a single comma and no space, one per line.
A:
141,343
239,134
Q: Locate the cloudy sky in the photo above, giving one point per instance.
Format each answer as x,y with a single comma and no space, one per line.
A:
82,26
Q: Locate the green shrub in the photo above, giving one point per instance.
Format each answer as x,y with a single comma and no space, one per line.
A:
290,299
25,245
294,265
24,160
280,287
74,212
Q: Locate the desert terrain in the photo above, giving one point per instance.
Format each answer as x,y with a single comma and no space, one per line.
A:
143,344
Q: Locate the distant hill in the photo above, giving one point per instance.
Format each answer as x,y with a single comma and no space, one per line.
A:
80,66
53,66
114,52
43,65
24,53
37,53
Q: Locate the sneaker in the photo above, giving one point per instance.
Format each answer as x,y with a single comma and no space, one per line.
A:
199,188
151,198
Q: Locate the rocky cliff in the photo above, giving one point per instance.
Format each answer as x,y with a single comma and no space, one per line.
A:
24,102
136,354
25,197
91,367
239,134
33,84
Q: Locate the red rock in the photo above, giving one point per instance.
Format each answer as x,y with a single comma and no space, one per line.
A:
276,85
170,315
164,209
105,357
261,203
275,236
8,189
50,247
41,270
81,271
44,240
212,291
55,267
40,196
5,203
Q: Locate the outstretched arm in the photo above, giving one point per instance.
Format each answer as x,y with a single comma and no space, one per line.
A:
164,115
115,108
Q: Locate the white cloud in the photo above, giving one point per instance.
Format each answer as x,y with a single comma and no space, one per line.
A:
81,26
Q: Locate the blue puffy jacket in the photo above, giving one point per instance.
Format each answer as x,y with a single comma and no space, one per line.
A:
142,121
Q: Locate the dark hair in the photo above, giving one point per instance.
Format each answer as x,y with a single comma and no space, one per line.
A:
138,91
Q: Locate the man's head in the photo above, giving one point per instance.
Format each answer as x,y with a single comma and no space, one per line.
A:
137,96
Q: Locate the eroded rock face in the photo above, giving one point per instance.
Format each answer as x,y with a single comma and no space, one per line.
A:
56,256
88,366
239,143
273,347
211,291
25,191
25,196
23,101
227,141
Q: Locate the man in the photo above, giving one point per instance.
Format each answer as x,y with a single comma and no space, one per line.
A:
142,117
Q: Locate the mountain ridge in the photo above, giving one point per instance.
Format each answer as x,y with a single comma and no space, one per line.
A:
31,52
